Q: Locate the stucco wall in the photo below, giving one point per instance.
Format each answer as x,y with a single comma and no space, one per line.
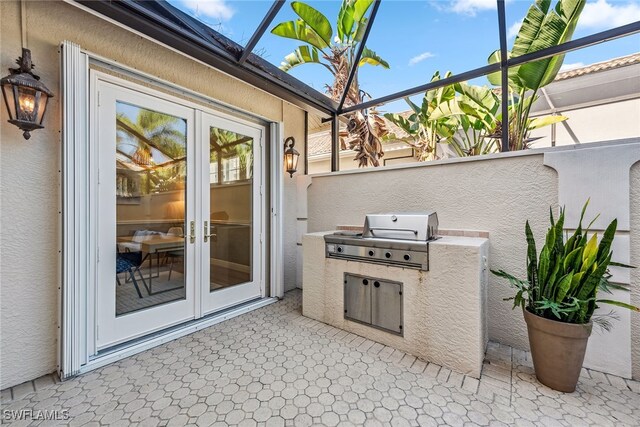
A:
30,178
635,273
495,194
492,195
589,124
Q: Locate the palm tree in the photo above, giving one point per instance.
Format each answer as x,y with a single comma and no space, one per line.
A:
152,130
337,53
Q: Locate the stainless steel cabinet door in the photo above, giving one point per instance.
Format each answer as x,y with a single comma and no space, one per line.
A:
357,298
386,305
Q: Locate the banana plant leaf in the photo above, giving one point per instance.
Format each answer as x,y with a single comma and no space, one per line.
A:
372,58
315,20
299,30
543,29
351,18
302,55
540,122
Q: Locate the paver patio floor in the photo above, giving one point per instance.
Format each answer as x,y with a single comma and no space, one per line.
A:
274,367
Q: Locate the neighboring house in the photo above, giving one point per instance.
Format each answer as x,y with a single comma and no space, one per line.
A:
319,152
601,100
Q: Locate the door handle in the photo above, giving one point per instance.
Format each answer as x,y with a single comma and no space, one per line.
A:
207,235
192,232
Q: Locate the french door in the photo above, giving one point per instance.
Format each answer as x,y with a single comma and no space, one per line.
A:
181,212
232,212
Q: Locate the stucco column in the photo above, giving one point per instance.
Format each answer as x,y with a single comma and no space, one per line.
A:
602,174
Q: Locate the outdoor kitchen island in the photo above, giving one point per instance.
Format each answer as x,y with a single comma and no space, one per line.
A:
435,312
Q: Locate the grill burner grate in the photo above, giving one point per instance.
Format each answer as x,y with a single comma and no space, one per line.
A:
400,239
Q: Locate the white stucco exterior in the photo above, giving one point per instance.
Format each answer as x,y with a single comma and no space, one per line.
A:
495,193
30,170
443,309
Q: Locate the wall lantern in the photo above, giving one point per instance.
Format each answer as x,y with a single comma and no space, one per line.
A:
290,156
25,96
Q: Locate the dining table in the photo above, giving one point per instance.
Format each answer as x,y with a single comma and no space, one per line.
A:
155,244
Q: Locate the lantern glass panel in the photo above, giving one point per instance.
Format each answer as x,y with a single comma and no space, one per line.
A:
291,161
10,99
42,106
27,104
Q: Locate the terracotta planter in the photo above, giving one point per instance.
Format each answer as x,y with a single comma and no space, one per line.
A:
558,350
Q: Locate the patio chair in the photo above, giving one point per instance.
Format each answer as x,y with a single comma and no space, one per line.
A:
171,255
129,262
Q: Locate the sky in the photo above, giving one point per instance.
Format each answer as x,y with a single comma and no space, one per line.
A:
417,37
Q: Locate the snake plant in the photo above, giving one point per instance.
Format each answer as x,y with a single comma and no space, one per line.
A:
564,280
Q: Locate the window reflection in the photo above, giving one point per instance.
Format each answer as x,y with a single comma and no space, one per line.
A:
231,208
150,207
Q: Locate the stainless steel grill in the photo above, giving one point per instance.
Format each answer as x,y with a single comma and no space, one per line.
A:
393,239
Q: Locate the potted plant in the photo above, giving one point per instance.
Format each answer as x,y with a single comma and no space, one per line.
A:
560,295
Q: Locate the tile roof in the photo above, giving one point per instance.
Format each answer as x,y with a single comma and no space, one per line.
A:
623,61
320,142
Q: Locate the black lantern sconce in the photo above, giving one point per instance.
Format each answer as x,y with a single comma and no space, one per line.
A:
290,156
25,95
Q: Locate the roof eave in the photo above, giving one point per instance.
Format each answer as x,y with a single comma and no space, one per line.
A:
255,71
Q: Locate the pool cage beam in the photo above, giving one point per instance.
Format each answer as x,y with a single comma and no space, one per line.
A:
604,36
257,35
356,60
504,76
127,12
503,66
335,143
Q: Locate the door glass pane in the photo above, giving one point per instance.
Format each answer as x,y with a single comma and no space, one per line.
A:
151,170
231,208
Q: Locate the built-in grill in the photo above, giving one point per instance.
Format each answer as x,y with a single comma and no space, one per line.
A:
400,239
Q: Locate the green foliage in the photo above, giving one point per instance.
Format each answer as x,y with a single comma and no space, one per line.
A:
461,115
564,281
337,53
313,28
543,27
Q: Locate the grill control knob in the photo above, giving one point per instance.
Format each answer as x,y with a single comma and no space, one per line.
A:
387,254
376,284
371,253
407,257
365,282
340,249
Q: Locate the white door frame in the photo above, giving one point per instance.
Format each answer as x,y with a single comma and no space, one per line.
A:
237,294
111,329
77,308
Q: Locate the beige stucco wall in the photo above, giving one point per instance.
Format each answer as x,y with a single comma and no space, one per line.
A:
495,194
432,331
29,170
635,273
492,195
593,124
322,163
